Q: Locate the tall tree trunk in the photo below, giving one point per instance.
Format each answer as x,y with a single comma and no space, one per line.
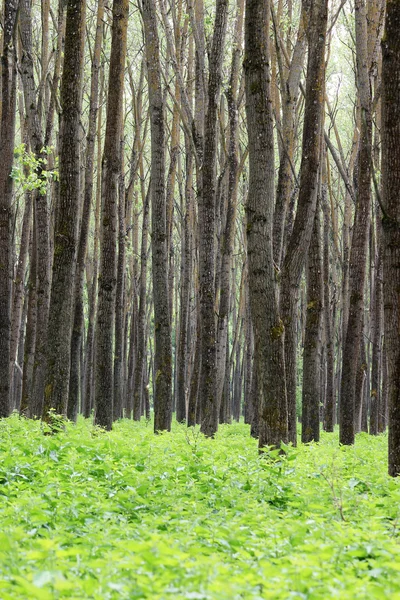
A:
7,133
119,359
330,400
312,343
268,328
17,324
376,341
391,220
77,329
111,168
88,396
285,185
162,320
186,266
299,241
30,330
207,230
66,219
228,234
41,201
359,245
140,365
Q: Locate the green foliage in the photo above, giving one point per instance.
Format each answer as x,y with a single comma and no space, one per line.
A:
124,515
32,173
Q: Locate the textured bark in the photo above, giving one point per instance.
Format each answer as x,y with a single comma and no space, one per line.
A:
162,321
231,210
285,185
186,266
66,218
330,400
194,410
42,214
77,329
249,404
53,102
111,168
358,252
256,401
17,323
383,408
207,230
88,394
377,303
311,398
391,220
268,328
119,358
140,365
361,386
30,331
300,238
7,133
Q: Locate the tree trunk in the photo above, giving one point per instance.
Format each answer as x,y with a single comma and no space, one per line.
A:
268,328
119,358
228,234
162,318
330,400
302,229
391,221
77,329
186,266
140,365
311,399
111,168
359,245
66,218
7,133
207,230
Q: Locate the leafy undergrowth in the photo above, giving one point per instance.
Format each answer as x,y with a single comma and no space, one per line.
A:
89,514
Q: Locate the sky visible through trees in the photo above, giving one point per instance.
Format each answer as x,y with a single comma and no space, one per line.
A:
200,227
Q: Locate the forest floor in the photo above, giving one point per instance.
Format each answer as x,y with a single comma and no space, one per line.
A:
129,515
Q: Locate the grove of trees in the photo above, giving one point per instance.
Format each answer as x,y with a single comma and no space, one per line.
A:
200,214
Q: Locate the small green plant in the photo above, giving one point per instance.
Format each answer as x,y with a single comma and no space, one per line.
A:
31,172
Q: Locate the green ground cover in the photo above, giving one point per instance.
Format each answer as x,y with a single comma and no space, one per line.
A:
126,515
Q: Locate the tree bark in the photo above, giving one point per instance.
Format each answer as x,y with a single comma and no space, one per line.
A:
302,229
111,168
228,234
358,252
330,400
162,318
7,134
268,328
140,365
391,220
77,329
311,398
207,230
66,218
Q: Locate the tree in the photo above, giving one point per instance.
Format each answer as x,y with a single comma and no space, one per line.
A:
391,220
311,398
268,328
207,229
111,169
293,264
162,317
66,219
78,323
7,132
358,253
